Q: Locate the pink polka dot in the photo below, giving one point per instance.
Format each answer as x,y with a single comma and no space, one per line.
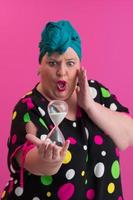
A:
98,140
117,151
120,198
90,194
66,191
51,126
14,138
72,140
29,102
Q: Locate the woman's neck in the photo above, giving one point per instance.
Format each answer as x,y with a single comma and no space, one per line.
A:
71,101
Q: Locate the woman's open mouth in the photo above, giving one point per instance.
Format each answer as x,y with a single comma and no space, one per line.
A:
61,85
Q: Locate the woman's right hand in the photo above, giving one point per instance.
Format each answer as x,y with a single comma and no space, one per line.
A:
51,154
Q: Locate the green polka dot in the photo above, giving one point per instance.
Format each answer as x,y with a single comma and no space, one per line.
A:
115,169
26,117
46,180
43,123
105,93
87,158
86,181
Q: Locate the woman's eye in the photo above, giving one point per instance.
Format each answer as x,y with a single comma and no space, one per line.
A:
52,63
70,63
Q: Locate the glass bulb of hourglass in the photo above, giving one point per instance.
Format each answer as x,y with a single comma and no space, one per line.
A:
57,111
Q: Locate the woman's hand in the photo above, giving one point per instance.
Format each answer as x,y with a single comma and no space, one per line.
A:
51,154
83,93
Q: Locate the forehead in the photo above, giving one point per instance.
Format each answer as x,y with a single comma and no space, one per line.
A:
67,55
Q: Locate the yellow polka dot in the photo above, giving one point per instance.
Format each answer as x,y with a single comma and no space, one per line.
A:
30,92
14,115
68,157
3,194
82,173
111,188
48,194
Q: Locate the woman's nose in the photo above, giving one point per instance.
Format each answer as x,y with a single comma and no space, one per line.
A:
61,70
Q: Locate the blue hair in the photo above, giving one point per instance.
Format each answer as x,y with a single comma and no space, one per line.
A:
57,37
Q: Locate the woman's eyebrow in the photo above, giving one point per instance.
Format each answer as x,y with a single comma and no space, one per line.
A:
58,59
71,59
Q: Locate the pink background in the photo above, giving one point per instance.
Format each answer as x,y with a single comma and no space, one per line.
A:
106,30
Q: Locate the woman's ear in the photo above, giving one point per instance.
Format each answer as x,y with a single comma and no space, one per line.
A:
39,71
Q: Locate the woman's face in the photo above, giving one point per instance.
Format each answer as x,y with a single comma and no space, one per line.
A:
58,73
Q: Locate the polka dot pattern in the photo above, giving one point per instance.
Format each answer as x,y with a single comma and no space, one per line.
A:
113,107
46,180
105,92
115,169
91,156
70,174
36,198
90,194
43,137
111,188
14,115
98,140
41,111
74,124
26,117
68,157
19,191
43,123
99,170
49,194
87,133
66,191
72,140
103,153
93,92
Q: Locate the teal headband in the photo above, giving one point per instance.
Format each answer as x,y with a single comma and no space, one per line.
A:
57,37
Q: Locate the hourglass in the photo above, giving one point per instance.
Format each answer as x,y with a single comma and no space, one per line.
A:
57,111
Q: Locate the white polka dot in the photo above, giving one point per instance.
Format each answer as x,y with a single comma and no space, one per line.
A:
99,170
70,174
15,182
103,153
35,198
7,184
12,169
74,124
87,133
41,111
92,81
113,107
85,147
11,179
93,92
19,191
43,137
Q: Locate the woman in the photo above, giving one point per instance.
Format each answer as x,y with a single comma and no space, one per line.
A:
87,165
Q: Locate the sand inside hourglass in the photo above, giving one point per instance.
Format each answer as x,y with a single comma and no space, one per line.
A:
57,117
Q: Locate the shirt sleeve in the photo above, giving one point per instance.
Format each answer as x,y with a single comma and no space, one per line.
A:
17,138
106,98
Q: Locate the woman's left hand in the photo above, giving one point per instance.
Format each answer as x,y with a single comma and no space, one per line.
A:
83,92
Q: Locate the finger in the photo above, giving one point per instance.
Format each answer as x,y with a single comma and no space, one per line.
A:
47,142
55,152
49,151
65,148
41,150
32,138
